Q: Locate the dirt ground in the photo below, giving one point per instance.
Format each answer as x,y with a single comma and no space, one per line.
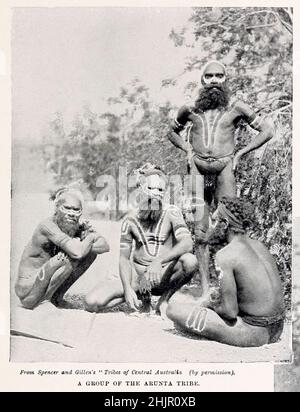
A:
106,337
75,335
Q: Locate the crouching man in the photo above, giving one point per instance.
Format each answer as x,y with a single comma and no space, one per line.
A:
250,311
61,250
155,251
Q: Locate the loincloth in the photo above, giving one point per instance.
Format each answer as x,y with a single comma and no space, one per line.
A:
273,323
211,164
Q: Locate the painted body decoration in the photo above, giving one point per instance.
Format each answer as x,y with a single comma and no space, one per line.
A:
148,244
196,319
210,127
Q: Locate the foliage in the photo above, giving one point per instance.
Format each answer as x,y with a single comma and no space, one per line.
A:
256,45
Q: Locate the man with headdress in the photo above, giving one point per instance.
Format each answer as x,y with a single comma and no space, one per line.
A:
155,251
211,124
249,310
61,249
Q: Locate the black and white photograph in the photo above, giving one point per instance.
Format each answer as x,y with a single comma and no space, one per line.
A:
151,185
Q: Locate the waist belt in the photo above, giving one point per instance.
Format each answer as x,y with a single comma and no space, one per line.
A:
212,158
263,321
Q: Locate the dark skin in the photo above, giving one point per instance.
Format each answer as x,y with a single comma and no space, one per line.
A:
172,266
211,151
249,284
54,258
212,141
222,142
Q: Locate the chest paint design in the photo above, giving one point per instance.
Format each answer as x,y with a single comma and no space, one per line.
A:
210,126
151,241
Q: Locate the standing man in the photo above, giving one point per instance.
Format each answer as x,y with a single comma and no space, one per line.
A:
211,146
155,251
250,311
60,251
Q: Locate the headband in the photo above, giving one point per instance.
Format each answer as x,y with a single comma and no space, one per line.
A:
65,190
215,62
232,220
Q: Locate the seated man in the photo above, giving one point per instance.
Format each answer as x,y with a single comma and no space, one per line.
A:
161,261
61,249
250,311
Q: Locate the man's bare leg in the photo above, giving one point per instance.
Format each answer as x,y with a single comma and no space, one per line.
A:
57,268
196,319
201,223
79,267
175,277
107,294
226,183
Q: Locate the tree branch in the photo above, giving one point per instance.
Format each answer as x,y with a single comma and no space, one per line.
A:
261,26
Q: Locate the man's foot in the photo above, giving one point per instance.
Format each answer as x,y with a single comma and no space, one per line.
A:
146,303
163,310
162,304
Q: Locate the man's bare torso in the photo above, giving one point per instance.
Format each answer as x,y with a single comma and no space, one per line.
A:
43,245
151,244
259,288
212,132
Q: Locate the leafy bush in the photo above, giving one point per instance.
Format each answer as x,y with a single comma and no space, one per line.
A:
256,45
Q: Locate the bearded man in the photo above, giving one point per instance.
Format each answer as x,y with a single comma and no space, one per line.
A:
155,251
250,309
211,145
61,249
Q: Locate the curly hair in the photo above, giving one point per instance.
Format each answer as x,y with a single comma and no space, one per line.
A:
149,169
242,209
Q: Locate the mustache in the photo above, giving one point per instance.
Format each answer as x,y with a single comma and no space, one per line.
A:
68,227
212,97
149,216
151,204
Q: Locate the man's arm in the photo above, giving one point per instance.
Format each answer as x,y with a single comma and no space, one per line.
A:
176,126
73,247
265,127
184,244
184,241
125,267
228,307
100,245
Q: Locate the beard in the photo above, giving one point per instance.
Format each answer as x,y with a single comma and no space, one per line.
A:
70,228
150,213
212,97
218,234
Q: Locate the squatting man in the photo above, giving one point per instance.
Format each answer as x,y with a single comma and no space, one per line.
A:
155,251
211,124
250,309
61,250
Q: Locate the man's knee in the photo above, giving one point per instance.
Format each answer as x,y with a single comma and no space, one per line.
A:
30,301
189,263
56,267
93,302
174,306
226,185
172,309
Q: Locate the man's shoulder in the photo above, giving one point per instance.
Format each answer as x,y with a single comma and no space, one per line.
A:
46,224
172,210
229,255
129,220
240,106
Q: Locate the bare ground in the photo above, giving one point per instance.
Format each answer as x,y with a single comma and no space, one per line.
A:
106,337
